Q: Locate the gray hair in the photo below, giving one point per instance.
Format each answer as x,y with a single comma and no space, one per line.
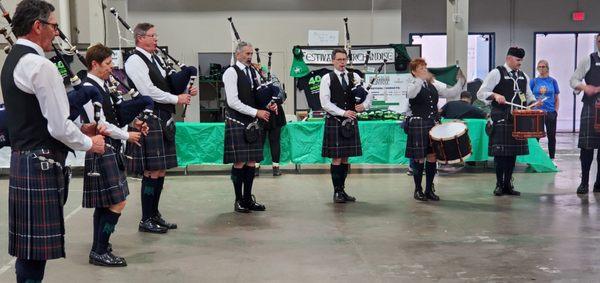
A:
141,29
240,46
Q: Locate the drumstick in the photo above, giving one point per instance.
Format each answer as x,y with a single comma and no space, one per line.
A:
529,107
516,105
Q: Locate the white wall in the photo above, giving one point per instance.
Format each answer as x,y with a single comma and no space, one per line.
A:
187,33
495,16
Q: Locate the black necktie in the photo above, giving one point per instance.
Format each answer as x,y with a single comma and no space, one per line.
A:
249,76
513,74
157,62
344,83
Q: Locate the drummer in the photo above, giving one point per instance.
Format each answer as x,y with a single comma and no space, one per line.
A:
506,84
424,93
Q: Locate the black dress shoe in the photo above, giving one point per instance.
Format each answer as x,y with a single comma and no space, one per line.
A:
347,196
596,188
582,189
419,195
430,195
498,191
238,207
338,197
162,222
106,259
510,190
149,226
276,171
253,205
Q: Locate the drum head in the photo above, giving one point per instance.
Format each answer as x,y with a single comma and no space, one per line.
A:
447,131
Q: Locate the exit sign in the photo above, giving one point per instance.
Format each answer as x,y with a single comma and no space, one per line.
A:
578,16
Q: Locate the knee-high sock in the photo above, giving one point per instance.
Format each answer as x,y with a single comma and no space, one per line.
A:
248,181
499,163
237,177
345,169
108,221
157,191
29,270
586,156
418,169
97,213
430,170
337,176
509,169
148,196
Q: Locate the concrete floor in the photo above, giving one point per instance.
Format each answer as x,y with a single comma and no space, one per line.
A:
549,233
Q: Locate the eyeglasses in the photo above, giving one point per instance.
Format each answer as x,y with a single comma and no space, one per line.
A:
53,25
152,35
542,67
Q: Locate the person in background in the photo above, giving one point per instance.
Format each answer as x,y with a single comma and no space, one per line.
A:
545,88
462,109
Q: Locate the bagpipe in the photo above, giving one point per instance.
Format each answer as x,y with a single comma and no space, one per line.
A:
347,44
360,92
139,106
4,139
4,31
180,81
267,92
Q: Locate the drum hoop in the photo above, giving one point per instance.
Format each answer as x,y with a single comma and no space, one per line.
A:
461,133
454,161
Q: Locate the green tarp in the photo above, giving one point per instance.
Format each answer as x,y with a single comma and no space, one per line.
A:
383,142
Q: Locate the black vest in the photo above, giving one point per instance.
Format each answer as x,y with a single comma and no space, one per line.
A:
28,128
246,93
341,97
158,80
506,88
108,106
592,77
110,112
424,105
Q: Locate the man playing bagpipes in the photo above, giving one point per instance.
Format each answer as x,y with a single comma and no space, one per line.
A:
157,153
40,135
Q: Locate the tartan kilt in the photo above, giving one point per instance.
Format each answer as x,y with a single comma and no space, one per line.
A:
502,143
110,187
156,152
134,161
588,137
418,143
337,146
237,149
35,206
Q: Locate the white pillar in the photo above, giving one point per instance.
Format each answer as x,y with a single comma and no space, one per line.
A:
64,10
96,20
457,29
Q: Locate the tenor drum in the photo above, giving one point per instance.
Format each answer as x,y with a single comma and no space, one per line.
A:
528,124
451,142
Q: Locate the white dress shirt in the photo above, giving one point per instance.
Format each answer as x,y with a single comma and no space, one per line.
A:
491,81
230,79
582,68
115,132
325,93
416,84
36,75
137,71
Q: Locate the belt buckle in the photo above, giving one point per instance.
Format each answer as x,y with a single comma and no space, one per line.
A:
45,165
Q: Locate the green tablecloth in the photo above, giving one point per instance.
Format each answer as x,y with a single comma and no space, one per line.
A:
383,142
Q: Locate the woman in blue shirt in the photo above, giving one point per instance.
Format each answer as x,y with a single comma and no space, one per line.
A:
546,87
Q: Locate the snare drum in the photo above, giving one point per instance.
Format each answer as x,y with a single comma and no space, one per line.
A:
528,124
451,142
